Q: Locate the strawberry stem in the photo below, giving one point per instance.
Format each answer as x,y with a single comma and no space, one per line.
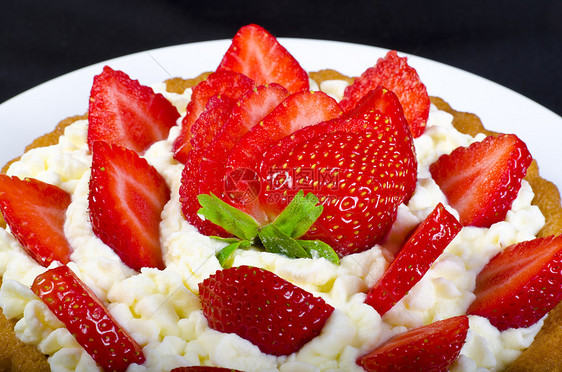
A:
280,236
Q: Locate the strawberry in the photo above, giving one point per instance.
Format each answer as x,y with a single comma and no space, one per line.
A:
254,52
205,168
394,73
35,212
482,180
421,250
225,83
434,347
263,308
126,198
87,319
295,112
124,112
520,284
357,178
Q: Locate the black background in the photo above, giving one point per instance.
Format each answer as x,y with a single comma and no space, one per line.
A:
515,43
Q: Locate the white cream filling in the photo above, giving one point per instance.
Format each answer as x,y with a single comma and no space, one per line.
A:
161,311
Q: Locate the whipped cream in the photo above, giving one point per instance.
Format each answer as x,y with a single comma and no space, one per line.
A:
160,308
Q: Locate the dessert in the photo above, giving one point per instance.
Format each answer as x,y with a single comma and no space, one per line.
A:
293,236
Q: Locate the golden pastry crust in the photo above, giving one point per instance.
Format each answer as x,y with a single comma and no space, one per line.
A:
545,354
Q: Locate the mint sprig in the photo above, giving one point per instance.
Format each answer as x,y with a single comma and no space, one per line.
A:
281,236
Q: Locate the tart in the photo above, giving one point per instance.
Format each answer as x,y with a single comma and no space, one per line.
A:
259,196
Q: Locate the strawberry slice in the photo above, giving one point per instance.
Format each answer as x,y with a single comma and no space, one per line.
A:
357,176
35,212
204,171
520,284
394,73
421,250
124,112
126,198
297,111
254,52
87,319
225,83
263,308
482,180
434,347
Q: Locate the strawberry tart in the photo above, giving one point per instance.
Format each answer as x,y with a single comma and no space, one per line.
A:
262,218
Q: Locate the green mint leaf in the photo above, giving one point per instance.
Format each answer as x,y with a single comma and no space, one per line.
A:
276,241
319,249
297,218
226,216
226,253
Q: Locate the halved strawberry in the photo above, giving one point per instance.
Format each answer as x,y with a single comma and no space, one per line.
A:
421,250
204,169
295,112
254,52
126,198
35,212
257,305
434,347
225,83
520,284
124,112
87,319
394,73
482,180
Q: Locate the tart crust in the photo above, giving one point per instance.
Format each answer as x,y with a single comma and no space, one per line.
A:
545,354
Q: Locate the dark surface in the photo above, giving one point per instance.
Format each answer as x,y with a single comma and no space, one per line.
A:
514,43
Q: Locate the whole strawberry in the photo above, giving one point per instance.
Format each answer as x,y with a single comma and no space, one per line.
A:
263,308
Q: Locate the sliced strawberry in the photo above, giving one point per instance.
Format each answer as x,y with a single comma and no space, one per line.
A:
254,52
434,347
126,198
124,112
482,180
421,250
520,284
263,308
87,319
204,170
225,83
295,112
35,212
394,73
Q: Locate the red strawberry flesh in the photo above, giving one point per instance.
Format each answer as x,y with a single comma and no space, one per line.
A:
226,83
256,53
482,180
126,199
415,258
263,308
87,319
124,112
434,347
520,284
35,212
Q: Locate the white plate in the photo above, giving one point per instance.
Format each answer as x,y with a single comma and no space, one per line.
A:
38,110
